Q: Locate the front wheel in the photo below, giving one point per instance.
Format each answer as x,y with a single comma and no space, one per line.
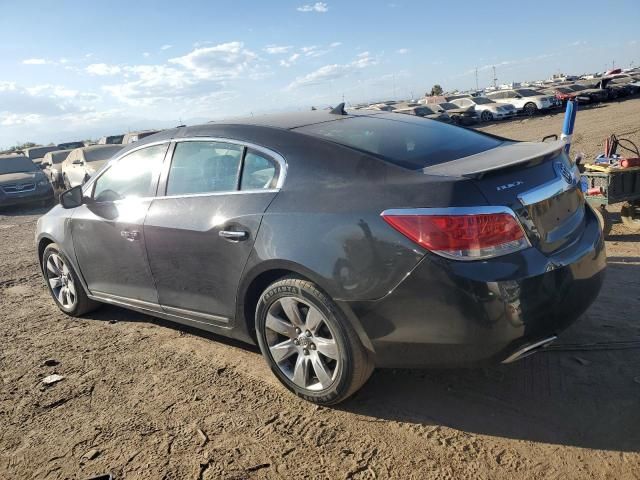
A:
63,283
309,344
530,109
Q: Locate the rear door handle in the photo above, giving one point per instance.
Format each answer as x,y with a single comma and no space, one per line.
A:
234,235
130,235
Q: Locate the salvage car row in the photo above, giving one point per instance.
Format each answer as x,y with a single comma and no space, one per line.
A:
509,101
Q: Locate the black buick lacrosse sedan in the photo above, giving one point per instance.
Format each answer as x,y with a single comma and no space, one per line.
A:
338,242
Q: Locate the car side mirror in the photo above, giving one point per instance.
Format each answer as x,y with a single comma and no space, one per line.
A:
72,198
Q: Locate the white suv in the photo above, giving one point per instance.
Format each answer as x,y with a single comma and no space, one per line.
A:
524,99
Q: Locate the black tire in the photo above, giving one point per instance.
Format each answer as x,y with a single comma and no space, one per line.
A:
486,116
604,219
82,303
630,216
530,109
353,365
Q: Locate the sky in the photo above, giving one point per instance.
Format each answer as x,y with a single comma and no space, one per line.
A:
72,70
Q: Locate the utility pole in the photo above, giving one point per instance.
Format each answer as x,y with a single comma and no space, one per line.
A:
495,80
477,78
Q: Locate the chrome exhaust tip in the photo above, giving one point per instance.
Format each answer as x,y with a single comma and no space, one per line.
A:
529,349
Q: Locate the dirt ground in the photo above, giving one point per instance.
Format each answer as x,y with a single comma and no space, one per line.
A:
145,399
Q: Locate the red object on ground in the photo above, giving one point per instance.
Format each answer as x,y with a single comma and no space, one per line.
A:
595,191
630,162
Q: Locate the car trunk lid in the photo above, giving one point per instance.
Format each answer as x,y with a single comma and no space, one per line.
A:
536,180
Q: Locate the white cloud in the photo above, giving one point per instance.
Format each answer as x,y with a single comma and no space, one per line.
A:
290,61
333,72
146,54
319,7
35,61
402,51
166,47
102,69
578,43
224,61
335,44
277,49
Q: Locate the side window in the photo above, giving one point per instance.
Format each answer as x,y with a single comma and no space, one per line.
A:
259,172
134,175
204,167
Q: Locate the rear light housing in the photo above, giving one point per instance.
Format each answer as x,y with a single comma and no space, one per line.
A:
461,233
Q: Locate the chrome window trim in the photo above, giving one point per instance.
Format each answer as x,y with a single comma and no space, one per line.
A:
279,159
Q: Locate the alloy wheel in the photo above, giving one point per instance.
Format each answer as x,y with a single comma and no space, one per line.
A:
487,116
301,343
61,281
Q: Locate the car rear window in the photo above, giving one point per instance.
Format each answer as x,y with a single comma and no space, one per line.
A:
411,142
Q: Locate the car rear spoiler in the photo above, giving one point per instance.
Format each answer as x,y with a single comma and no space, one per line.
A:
507,155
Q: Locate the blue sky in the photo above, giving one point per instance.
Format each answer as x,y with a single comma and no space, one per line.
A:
72,70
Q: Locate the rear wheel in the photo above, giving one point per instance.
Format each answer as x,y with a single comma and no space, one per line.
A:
530,109
630,216
309,344
486,116
63,283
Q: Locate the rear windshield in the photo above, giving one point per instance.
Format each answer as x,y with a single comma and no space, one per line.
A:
16,165
101,154
410,142
71,145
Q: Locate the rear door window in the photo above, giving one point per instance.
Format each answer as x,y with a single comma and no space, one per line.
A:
204,167
408,141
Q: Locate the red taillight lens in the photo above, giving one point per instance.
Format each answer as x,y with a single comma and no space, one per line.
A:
465,237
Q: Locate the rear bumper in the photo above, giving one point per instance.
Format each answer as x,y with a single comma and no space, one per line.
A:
37,195
451,313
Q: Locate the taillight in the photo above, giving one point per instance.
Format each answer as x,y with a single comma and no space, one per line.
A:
461,233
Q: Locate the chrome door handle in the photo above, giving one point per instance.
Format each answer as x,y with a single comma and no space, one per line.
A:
233,235
130,235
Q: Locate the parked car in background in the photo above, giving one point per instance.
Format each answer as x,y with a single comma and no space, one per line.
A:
135,136
459,115
432,112
565,93
82,163
70,145
265,229
486,108
22,181
525,100
35,154
111,140
52,166
595,94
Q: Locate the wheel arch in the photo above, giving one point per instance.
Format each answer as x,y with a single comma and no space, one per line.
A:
43,242
261,276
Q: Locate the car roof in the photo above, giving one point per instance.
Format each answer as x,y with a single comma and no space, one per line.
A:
288,121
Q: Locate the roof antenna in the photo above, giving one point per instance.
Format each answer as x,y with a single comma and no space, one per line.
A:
339,109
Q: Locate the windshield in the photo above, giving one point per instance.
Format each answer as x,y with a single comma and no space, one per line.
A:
526,92
481,100
577,88
449,106
71,145
412,143
564,90
16,165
